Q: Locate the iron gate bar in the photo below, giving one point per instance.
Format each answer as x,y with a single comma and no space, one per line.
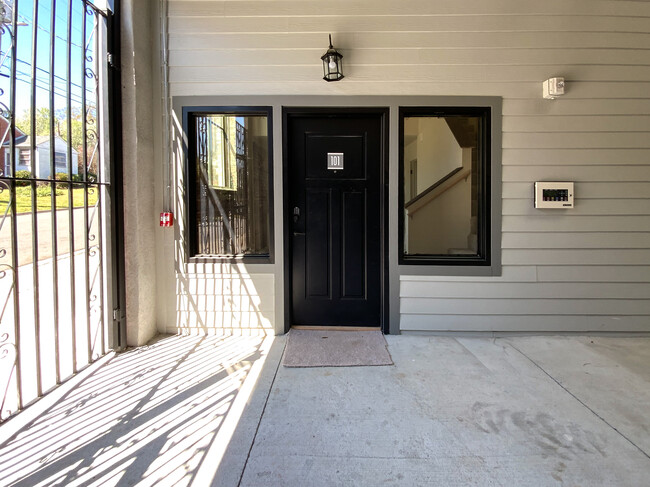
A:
14,223
84,137
100,325
99,168
73,300
98,210
55,243
95,9
32,158
100,197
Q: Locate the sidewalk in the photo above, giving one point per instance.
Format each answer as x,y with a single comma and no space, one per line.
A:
451,411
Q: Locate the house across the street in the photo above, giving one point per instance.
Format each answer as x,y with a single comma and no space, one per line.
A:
5,138
42,155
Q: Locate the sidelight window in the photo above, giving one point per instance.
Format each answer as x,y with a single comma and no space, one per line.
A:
229,176
444,186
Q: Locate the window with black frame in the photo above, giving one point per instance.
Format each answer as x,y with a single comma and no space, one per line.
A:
229,176
444,186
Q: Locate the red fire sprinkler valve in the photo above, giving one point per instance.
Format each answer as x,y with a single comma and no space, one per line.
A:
166,219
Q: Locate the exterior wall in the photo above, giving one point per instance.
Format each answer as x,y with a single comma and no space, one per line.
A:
207,297
43,157
586,269
214,298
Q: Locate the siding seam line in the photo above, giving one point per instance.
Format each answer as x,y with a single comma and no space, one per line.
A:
580,401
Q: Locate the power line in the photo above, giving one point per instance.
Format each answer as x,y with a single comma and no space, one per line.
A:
30,21
56,76
44,85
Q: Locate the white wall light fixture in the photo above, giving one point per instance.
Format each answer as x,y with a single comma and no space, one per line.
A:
552,88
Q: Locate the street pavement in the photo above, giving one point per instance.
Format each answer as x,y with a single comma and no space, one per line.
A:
24,228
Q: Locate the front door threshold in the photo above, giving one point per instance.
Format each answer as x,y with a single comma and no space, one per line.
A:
337,328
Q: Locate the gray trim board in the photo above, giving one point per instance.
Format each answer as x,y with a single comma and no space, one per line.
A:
393,103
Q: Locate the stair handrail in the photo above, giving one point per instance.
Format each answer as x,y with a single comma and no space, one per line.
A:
435,185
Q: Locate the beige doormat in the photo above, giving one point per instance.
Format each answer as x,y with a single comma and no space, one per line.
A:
336,348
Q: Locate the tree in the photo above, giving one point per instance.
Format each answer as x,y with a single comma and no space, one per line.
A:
42,117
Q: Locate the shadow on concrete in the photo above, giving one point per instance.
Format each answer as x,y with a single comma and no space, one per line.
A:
164,414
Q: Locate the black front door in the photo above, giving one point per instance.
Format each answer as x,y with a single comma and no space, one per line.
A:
334,166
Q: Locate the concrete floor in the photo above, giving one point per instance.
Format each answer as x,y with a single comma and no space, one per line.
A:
538,411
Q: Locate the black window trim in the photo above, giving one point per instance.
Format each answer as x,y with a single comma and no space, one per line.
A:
485,254
190,185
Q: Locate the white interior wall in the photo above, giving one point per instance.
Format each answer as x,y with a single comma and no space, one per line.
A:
444,223
438,152
584,269
410,154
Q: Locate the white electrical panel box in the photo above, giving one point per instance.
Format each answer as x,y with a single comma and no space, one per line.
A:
553,194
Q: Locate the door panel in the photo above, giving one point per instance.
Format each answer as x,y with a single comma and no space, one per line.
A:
318,241
335,235
354,232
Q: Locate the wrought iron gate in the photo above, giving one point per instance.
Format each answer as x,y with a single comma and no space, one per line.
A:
57,195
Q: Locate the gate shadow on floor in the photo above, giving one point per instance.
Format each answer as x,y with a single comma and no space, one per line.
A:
149,416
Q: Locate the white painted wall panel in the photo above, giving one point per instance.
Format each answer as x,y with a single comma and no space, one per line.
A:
520,306
573,123
561,223
523,323
594,273
411,40
498,290
588,190
424,7
583,207
576,240
585,269
234,303
528,156
345,22
505,57
568,172
539,108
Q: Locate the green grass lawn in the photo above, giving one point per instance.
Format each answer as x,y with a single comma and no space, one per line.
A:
44,198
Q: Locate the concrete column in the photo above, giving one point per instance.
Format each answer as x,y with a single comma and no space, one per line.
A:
138,155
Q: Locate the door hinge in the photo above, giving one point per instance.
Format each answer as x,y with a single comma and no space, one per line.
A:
109,59
116,314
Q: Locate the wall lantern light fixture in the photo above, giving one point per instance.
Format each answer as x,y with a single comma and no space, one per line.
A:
332,64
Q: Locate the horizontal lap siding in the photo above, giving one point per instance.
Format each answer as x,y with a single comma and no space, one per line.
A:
586,269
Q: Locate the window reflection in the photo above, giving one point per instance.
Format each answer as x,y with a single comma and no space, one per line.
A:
231,189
